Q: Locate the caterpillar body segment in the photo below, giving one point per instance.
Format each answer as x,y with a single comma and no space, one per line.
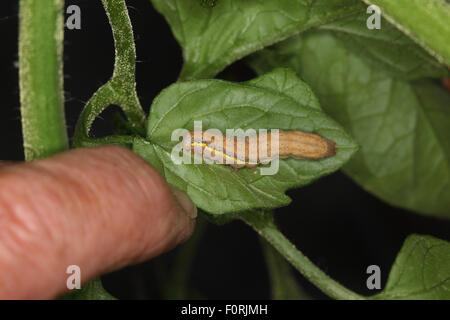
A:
250,151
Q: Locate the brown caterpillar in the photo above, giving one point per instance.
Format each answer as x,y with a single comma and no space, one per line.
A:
225,150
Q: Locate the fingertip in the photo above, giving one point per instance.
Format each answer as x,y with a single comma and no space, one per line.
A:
106,206
185,202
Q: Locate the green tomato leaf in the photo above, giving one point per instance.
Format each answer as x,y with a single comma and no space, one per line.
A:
278,100
421,270
402,127
425,21
214,37
387,48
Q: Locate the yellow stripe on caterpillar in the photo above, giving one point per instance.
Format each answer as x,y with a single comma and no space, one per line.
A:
204,145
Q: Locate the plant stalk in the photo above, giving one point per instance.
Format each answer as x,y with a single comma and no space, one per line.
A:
263,224
41,34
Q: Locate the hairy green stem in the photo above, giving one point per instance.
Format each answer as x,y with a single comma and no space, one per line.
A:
41,34
283,284
121,88
263,223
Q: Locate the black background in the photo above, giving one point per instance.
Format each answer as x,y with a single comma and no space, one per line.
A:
338,225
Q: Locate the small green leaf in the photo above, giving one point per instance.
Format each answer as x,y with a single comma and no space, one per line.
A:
214,37
421,270
402,127
425,21
278,100
93,290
